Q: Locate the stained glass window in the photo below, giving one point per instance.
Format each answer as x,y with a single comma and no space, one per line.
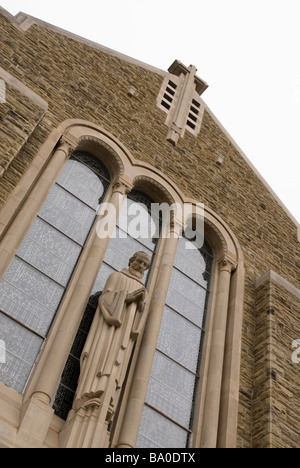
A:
168,412
35,282
136,230
68,384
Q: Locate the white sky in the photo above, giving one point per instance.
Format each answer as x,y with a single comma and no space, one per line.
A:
246,50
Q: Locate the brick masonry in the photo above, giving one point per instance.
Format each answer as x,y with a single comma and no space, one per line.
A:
276,403
19,117
78,81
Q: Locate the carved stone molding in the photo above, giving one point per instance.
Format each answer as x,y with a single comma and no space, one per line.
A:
67,145
147,181
179,98
115,163
227,263
122,186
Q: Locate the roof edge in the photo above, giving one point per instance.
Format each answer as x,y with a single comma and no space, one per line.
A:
255,170
24,22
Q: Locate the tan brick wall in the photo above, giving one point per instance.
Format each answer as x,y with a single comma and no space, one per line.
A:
81,82
276,403
20,115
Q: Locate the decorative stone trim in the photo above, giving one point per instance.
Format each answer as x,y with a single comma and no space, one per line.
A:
272,276
67,145
14,96
179,98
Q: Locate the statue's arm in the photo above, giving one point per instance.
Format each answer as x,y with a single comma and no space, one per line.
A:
140,318
111,301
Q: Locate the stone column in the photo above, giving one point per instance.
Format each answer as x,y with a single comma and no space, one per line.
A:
228,419
134,409
215,370
30,209
55,360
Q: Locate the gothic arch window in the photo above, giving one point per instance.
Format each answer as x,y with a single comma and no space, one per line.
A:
38,276
215,411
135,230
167,419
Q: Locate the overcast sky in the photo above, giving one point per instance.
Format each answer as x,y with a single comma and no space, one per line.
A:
246,50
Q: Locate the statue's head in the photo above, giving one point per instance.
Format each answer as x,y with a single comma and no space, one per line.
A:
139,263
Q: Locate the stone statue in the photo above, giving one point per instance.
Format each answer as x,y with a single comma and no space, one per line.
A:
118,322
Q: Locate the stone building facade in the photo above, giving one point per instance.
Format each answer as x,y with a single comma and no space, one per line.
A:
75,115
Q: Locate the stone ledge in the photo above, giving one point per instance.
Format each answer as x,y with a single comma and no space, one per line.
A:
23,89
272,276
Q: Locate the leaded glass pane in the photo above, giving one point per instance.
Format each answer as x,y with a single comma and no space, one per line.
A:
156,431
67,388
22,348
191,262
179,339
68,384
93,163
67,214
139,197
136,221
50,251
143,441
169,402
186,297
172,374
82,182
29,296
71,372
63,401
104,272
85,325
121,250
171,389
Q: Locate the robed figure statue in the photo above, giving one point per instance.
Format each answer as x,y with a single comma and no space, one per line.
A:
118,321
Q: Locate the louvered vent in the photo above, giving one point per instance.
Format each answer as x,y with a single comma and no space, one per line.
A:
169,95
193,115
179,98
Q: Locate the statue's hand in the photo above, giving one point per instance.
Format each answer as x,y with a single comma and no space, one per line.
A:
136,296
